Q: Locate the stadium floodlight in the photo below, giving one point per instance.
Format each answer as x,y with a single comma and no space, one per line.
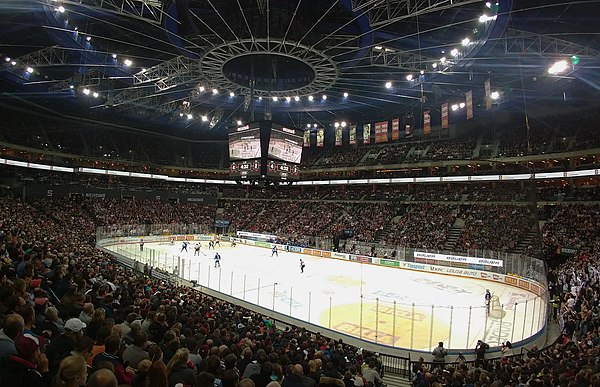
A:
465,42
231,94
7,59
558,67
127,62
95,94
308,125
324,97
296,98
345,95
434,65
61,9
422,72
201,88
454,52
114,56
88,38
488,4
275,98
260,98
461,105
288,99
388,85
239,122
30,70
378,48
454,107
180,114
204,118
337,124
343,124
86,91
443,60
310,97
13,63
315,125
495,95
409,77
190,116
483,18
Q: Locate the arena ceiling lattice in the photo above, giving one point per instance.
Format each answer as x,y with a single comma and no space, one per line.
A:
200,66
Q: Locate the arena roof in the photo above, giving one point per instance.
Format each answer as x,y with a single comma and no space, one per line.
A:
150,63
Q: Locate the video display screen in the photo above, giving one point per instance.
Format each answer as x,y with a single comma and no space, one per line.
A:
244,143
285,144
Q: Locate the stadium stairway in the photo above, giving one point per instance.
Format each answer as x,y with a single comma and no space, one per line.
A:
395,380
523,243
387,229
453,234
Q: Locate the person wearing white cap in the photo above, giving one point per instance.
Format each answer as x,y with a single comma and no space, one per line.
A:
62,345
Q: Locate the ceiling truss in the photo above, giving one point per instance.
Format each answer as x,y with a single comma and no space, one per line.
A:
523,42
147,10
385,12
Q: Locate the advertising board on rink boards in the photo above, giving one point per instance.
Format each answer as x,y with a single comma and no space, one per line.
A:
459,258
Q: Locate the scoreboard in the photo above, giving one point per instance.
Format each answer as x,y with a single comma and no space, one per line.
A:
245,169
280,170
265,151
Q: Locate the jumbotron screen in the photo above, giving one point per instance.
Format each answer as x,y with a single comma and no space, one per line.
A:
244,143
285,144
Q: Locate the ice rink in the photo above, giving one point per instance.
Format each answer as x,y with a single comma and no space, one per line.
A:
401,308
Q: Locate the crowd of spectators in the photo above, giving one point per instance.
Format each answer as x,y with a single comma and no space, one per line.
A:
424,226
457,149
493,227
62,301
124,212
70,315
343,156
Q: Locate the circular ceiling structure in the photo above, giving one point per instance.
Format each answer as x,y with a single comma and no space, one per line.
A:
268,68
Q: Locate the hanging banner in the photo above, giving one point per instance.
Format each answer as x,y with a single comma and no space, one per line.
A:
320,137
352,134
469,103
488,94
307,138
445,115
408,125
381,131
426,122
395,129
366,134
338,136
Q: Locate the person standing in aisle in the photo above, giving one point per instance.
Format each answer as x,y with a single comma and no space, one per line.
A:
439,356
